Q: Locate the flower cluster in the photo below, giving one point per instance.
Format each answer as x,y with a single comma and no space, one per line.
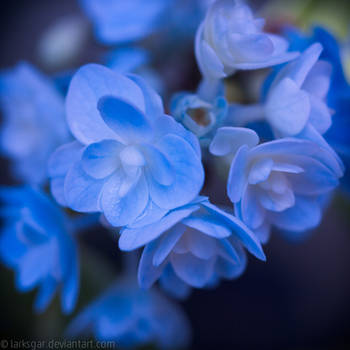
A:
114,149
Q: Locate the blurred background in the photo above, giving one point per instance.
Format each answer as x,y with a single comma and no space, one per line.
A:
298,300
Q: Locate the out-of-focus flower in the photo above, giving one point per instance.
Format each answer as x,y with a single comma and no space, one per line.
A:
193,245
128,156
61,43
118,21
230,38
33,121
36,243
133,317
135,60
338,98
280,183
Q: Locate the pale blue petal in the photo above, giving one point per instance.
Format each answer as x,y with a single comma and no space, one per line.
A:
167,243
188,172
151,214
147,272
125,119
195,272
200,245
31,268
236,182
158,165
88,85
304,215
63,158
45,294
133,238
227,251
81,191
288,107
120,211
260,170
153,102
70,288
100,160
208,224
173,285
240,230
209,63
253,214
229,139
168,125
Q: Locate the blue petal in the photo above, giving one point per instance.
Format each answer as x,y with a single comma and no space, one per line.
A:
153,102
70,288
45,294
133,238
208,224
253,214
123,210
195,272
167,243
88,85
188,172
288,107
125,119
260,170
100,159
147,272
236,179
229,139
200,245
158,165
31,267
81,191
240,230
63,158
168,125
304,215
173,285
209,63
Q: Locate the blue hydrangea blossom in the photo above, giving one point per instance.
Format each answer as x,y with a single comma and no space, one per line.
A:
198,114
191,246
296,98
33,121
339,91
36,243
129,156
133,317
280,183
230,38
118,21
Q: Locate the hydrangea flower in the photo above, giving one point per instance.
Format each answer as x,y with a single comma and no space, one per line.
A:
129,156
36,243
199,115
193,245
280,183
33,121
338,96
118,21
230,38
133,317
296,98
